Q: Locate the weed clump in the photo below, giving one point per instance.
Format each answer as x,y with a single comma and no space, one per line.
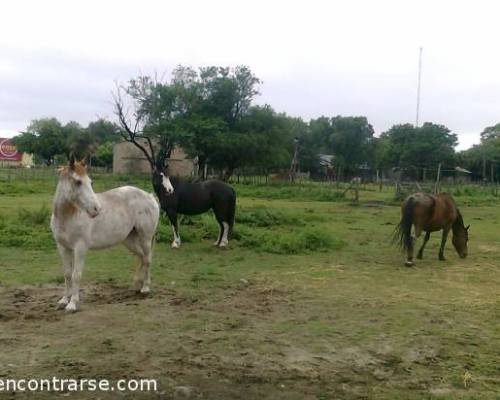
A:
34,217
279,242
265,217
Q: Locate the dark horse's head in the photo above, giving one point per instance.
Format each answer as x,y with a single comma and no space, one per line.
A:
460,236
161,180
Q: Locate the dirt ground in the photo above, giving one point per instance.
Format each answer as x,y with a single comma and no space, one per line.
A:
186,365
119,334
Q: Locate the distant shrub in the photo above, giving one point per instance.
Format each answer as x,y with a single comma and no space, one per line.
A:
266,217
307,240
28,229
14,234
34,217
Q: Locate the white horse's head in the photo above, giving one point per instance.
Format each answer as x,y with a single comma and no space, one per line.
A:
78,187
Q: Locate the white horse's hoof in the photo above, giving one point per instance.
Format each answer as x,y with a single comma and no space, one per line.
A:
71,307
175,245
223,245
62,303
145,290
409,263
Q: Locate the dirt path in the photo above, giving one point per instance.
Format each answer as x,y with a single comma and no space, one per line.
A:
229,346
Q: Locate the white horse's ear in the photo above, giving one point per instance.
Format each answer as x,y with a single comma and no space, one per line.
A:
60,169
85,160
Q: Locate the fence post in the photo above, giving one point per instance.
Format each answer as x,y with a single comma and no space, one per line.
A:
438,177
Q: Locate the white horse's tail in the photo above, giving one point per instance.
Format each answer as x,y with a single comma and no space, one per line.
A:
156,233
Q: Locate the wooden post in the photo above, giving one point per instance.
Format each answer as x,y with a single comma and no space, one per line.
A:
295,160
438,177
484,169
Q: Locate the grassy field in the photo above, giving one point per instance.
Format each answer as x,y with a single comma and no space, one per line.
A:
310,301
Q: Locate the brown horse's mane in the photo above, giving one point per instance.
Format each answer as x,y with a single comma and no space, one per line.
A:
459,220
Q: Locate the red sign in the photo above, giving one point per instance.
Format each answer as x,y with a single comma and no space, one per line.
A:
8,151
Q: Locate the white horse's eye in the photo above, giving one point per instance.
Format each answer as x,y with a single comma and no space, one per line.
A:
78,182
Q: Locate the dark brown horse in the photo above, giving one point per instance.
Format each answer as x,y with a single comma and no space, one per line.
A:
431,213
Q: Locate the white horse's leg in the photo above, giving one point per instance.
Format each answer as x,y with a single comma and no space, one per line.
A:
224,241
78,264
132,243
67,260
146,264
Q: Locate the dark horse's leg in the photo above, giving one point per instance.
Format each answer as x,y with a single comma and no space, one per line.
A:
221,233
443,243
172,216
224,226
421,251
221,212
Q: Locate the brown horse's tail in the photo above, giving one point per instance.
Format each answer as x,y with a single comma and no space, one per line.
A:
402,234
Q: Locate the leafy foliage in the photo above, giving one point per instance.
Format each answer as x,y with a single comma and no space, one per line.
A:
209,113
409,146
48,139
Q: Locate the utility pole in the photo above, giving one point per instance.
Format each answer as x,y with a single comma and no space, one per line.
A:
418,87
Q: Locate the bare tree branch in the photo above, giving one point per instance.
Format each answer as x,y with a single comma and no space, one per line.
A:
130,134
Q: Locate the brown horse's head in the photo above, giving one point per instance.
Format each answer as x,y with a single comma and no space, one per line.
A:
460,236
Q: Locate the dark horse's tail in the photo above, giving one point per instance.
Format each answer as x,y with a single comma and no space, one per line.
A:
402,234
232,211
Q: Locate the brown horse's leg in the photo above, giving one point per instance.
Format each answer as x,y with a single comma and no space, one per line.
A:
443,243
409,253
421,251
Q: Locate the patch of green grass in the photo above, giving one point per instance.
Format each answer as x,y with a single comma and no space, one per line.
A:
40,216
309,239
29,229
264,217
306,289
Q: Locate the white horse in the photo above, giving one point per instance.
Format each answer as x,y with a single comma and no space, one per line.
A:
83,220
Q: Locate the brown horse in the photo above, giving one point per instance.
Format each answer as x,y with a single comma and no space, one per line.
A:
431,213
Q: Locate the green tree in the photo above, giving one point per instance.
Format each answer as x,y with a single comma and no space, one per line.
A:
482,158
103,156
44,138
350,141
199,110
490,132
313,138
103,131
415,147
78,140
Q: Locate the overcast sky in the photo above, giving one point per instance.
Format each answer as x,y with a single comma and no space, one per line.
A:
61,58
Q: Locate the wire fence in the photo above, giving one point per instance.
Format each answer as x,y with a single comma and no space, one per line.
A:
401,187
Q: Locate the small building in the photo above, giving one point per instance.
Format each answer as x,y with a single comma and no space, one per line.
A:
11,157
128,159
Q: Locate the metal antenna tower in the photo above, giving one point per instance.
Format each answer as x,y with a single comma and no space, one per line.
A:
418,87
